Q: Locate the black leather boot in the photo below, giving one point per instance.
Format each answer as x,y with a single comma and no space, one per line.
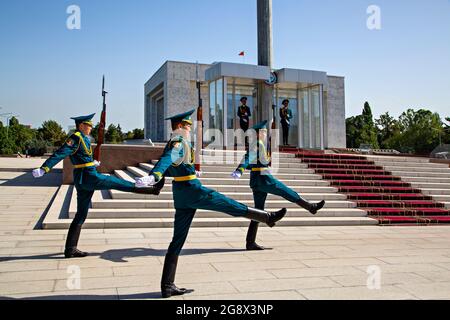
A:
268,218
251,237
155,189
72,241
311,207
168,287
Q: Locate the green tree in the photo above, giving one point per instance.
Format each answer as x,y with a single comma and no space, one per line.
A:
361,129
138,133
113,135
52,132
420,131
389,131
15,136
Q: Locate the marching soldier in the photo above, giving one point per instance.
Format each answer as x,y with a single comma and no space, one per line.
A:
285,118
262,182
86,179
189,195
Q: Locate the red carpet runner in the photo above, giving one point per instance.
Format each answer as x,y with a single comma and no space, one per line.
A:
384,196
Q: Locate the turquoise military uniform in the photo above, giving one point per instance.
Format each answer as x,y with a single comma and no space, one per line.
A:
262,182
86,178
188,193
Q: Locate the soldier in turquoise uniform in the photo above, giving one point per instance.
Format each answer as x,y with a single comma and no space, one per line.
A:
86,178
189,195
262,182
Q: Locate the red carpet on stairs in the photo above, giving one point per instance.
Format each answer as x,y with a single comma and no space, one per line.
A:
384,196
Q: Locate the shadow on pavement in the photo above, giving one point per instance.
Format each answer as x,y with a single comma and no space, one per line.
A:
26,179
120,255
137,296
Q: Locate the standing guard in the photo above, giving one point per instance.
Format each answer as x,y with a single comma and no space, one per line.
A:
285,119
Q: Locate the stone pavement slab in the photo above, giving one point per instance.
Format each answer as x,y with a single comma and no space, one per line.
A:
317,262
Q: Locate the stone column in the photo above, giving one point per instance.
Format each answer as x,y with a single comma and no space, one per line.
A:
265,45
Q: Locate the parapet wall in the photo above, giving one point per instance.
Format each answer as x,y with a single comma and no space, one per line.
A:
117,157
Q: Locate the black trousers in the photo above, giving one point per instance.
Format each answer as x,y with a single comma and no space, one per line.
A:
244,126
285,128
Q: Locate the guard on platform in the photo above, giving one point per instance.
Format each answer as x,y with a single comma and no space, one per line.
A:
86,178
189,195
262,182
285,119
244,114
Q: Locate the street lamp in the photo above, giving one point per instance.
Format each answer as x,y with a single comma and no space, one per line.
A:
5,114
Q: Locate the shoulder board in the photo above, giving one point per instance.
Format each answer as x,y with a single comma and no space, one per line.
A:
76,135
176,139
73,139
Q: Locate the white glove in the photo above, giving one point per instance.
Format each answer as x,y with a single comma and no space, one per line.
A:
198,173
37,173
145,181
97,163
236,174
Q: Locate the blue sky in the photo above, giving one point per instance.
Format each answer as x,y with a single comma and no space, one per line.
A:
50,72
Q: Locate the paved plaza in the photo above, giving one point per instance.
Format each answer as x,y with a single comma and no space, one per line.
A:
317,262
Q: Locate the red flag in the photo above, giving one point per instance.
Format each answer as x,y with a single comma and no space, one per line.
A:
242,53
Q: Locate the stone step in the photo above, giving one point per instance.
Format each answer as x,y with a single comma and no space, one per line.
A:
408,164
64,203
162,204
106,213
430,185
302,168
397,159
426,180
237,159
441,198
313,180
237,192
417,169
414,173
167,195
230,168
430,191
241,153
308,175
208,222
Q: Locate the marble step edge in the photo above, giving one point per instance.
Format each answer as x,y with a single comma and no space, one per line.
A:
207,222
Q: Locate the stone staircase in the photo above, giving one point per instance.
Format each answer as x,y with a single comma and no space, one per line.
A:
116,209
433,179
393,190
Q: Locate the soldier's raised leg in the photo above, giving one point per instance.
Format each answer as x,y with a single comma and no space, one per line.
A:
280,189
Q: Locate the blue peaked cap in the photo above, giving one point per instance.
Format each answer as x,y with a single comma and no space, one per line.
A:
84,119
261,125
182,117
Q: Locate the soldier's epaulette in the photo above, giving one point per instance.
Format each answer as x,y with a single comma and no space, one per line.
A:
73,139
175,141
